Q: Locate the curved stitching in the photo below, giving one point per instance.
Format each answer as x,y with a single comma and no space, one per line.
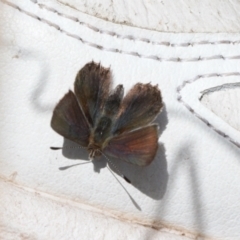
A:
131,37
115,50
191,110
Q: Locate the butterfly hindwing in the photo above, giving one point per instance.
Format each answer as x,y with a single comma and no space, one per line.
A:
69,121
137,147
139,108
92,88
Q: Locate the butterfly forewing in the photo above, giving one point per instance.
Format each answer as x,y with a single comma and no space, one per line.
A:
69,121
139,108
137,147
91,88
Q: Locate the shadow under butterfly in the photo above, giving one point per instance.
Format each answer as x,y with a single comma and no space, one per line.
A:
106,123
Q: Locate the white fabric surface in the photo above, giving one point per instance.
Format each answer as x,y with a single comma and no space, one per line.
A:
193,184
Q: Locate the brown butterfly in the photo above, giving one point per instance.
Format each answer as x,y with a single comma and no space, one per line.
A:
100,119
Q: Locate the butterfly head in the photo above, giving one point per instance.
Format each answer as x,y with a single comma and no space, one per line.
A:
94,151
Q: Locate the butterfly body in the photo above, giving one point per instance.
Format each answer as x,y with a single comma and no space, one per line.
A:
101,120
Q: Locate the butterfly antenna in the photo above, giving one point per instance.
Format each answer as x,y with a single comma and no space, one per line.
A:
73,165
58,148
66,167
109,162
132,199
116,168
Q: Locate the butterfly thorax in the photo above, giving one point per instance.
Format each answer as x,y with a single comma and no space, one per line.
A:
98,136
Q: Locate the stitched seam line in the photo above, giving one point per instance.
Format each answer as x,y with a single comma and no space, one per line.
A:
115,50
131,37
191,110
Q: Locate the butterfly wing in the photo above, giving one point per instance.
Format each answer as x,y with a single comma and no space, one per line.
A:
113,101
69,121
139,107
137,147
91,88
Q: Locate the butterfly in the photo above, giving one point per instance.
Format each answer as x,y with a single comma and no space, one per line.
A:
106,122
